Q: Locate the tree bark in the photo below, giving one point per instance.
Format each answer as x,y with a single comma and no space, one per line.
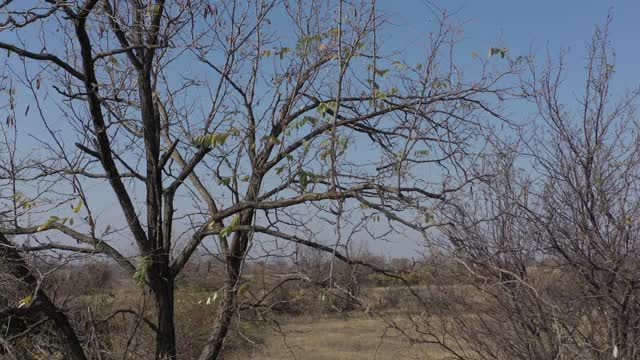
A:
235,258
215,342
162,285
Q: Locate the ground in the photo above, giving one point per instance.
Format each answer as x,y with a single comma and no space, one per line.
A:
337,339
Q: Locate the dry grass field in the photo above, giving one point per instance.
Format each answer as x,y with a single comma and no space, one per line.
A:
299,325
312,334
353,339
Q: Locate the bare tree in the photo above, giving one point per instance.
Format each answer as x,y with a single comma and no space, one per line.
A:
245,122
548,246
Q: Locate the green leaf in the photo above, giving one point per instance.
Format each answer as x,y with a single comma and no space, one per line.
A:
428,218
326,108
399,65
322,108
283,51
310,119
325,154
440,84
302,122
498,51
23,200
343,143
380,72
25,301
232,225
216,139
303,42
224,181
52,219
303,178
424,152
76,209
140,275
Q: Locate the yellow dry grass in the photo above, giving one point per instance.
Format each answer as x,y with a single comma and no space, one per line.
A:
337,339
301,337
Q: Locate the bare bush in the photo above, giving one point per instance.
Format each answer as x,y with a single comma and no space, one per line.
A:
548,246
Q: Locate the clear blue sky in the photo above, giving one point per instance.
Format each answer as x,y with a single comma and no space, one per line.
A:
521,25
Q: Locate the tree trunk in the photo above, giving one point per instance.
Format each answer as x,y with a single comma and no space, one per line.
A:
162,286
235,257
65,331
213,348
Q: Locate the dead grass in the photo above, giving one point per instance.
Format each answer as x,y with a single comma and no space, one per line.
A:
353,339
307,335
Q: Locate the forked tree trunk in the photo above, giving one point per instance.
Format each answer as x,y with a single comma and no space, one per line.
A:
234,258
